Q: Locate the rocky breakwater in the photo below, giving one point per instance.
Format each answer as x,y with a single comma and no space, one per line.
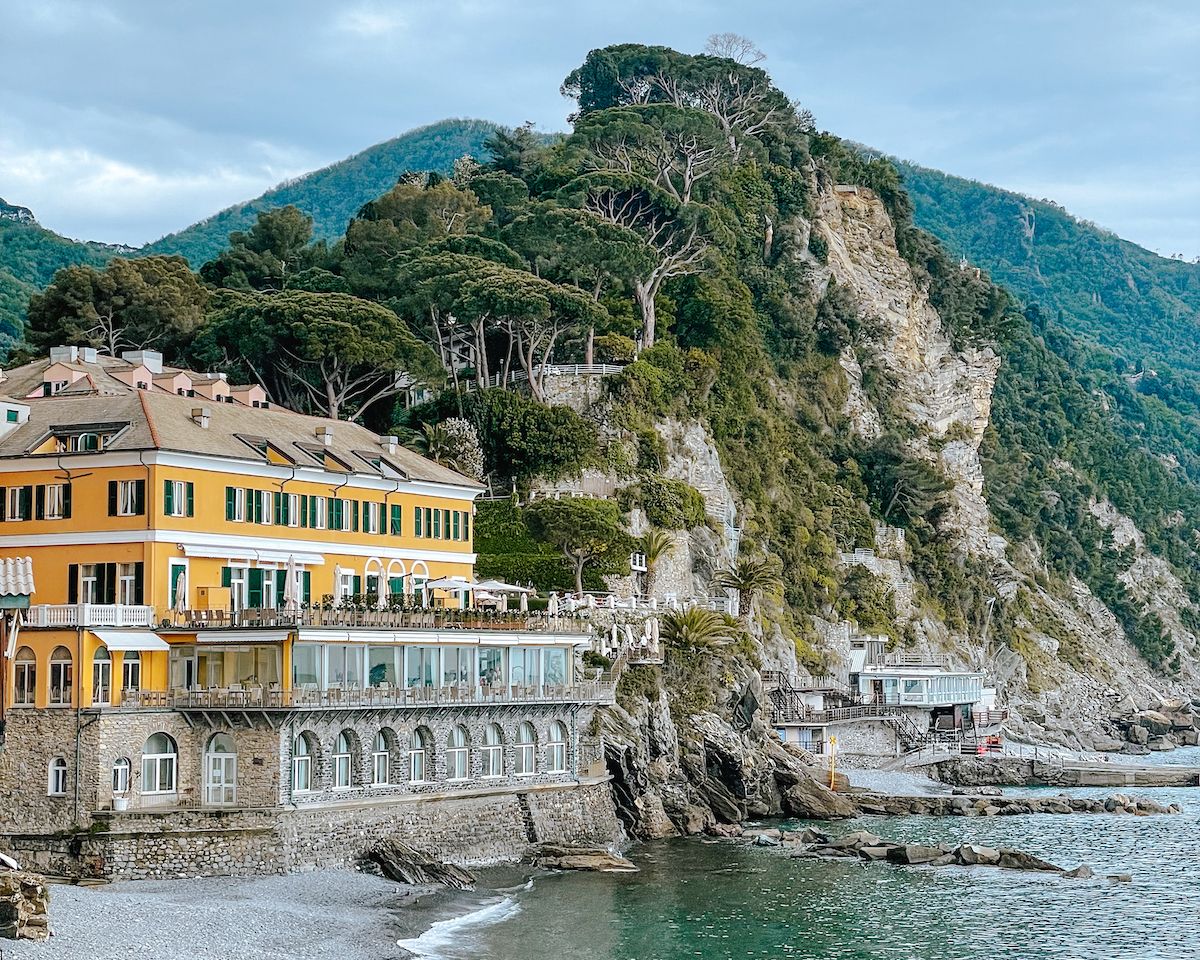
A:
866,846
991,805
24,906
1161,725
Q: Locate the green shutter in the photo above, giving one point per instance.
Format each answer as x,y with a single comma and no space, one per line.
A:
112,498
72,583
66,501
429,532
357,585
307,586
397,519
466,524
416,521
333,514
168,498
277,506
226,576
254,589
39,502
304,509
280,584
395,586
139,583
139,497
229,503
353,515
191,499
457,524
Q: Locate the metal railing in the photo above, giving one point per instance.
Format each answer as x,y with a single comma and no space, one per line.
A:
551,370
350,615
268,698
610,601
90,615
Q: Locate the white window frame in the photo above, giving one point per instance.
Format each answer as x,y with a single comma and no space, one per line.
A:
526,754
56,778
556,750
165,769
458,757
121,771
89,583
61,666
239,505
347,515
381,766
416,760
301,768
56,501
131,670
101,680
293,509
492,758
343,765
12,509
126,583
267,507
178,498
127,498
320,507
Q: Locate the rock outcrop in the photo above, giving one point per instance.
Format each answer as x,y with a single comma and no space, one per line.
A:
24,906
406,864
558,857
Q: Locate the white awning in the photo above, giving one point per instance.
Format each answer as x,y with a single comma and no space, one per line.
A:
131,640
262,556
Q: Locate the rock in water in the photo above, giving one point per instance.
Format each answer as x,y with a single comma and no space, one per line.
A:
1081,872
555,856
24,906
1019,860
970,854
913,854
404,864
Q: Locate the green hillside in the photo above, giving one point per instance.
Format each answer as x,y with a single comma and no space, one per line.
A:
1139,305
334,194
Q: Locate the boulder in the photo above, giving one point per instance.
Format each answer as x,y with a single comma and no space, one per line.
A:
24,906
763,840
1189,738
1020,860
1155,722
554,856
406,864
809,799
977,792
724,830
912,854
859,838
1081,872
1138,735
810,835
970,854
1120,877
1106,744
875,852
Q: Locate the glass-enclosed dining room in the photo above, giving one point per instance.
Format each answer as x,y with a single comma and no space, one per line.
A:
350,665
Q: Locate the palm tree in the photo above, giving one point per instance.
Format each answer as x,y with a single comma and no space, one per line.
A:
697,629
656,545
434,443
751,577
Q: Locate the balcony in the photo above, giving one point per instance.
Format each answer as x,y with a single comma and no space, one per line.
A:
375,697
90,615
346,615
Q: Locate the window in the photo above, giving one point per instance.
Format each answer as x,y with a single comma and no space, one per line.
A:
292,506
262,506
437,524
397,520
53,501
457,755
380,761
131,671
11,416
556,748
179,498
19,503
159,758
128,586
101,677
220,770
416,756
301,765
120,776
341,762
526,750
372,517
235,504
61,677
493,751
126,498
317,512
418,525
457,525
56,781
25,678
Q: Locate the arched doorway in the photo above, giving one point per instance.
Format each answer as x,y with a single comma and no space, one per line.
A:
220,770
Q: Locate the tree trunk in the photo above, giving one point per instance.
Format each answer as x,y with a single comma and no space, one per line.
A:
644,294
589,353
579,563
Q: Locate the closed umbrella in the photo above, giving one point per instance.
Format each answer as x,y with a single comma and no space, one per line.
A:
524,602
337,582
181,592
552,604
381,588
629,635
291,574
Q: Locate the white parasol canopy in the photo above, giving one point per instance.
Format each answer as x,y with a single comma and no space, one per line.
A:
451,584
291,593
181,593
552,604
525,601
499,586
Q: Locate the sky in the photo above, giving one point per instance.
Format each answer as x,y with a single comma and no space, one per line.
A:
123,120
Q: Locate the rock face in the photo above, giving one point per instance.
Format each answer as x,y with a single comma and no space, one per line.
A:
24,906
558,857
406,864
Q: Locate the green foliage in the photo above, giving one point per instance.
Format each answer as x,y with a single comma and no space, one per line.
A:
868,599
267,256
589,532
614,348
509,551
668,503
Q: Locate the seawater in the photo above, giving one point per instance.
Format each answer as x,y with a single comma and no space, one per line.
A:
698,898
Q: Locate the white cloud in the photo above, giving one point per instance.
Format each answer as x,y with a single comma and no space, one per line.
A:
370,20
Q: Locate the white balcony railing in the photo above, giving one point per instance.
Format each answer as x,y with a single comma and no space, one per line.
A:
90,615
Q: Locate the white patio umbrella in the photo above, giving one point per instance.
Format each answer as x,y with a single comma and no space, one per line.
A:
629,636
181,593
291,574
552,604
452,584
499,586
337,582
381,588
524,601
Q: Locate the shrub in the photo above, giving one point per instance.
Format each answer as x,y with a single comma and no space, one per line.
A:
614,348
669,504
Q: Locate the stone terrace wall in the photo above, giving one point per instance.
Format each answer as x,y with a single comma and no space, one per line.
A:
487,827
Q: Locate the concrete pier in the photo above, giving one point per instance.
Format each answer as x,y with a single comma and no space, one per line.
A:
1057,772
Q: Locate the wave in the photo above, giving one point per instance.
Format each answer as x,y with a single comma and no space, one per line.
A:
436,942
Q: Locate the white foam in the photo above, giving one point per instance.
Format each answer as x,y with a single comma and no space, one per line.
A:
434,943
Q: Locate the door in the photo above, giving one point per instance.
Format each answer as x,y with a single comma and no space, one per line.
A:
221,781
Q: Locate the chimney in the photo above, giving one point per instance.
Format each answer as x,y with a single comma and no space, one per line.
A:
150,359
201,415
389,443
325,435
64,354
87,354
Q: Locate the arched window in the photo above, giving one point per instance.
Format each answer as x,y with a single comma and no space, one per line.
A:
380,761
526,754
458,755
101,677
342,761
493,751
301,765
120,776
25,674
61,677
131,671
556,748
56,781
417,750
220,770
160,758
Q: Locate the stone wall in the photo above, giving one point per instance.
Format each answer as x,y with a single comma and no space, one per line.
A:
871,738
486,826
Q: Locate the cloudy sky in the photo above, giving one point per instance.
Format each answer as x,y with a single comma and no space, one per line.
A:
121,120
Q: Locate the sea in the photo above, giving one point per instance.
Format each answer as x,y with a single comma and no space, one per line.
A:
718,899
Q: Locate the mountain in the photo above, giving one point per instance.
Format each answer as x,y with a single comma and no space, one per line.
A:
334,194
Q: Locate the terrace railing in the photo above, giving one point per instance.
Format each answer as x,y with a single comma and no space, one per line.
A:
347,615
307,697
90,615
